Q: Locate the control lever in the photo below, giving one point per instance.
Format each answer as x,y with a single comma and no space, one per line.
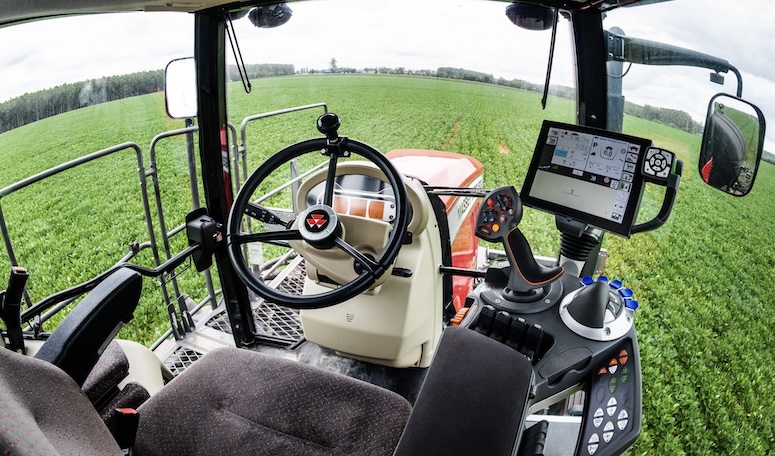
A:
497,221
11,307
529,274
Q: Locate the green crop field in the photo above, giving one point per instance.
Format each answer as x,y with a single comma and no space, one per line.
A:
704,280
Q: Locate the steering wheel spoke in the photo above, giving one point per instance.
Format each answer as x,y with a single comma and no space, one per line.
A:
265,215
267,237
328,195
369,264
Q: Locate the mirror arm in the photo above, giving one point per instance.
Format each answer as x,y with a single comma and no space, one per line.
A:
673,180
624,48
739,80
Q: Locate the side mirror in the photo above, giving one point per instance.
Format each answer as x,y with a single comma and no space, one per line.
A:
180,88
732,145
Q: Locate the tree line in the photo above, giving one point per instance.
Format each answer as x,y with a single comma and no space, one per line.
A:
673,117
262,70
38,105
35,106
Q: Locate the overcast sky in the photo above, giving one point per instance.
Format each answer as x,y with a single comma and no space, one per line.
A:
739,32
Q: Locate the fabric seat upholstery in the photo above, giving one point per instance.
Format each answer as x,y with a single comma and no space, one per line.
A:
231,401
236,402
44,412
240,402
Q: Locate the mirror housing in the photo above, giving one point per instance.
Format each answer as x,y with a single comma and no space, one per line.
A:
180,88
530,16
732,144
270,16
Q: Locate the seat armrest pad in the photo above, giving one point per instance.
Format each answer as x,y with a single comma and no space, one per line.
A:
77,343
473,400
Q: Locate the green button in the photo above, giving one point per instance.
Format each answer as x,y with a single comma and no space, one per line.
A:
612,384
624,375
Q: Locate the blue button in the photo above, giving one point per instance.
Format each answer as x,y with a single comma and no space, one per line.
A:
602,279
626,293
616,284
587,280
631,304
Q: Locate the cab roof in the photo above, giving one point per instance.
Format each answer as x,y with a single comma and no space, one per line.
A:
14,11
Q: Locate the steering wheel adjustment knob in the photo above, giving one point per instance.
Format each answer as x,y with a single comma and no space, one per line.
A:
328,124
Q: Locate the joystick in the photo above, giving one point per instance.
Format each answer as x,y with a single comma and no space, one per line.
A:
531,287
599,310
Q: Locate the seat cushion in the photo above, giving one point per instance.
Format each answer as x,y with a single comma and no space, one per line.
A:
43,412
235,401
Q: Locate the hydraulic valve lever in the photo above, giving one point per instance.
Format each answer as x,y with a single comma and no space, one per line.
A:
11,307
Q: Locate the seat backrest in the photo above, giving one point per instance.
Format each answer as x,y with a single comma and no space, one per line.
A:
77,343
43,412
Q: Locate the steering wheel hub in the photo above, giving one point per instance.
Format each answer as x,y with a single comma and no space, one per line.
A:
319,226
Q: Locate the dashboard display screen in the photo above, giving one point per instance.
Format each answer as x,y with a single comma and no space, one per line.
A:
587,174
359,195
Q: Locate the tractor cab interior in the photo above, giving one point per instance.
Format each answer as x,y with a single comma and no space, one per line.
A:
374,281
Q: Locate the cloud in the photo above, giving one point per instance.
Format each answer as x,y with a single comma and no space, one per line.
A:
731,30
427,34
53,51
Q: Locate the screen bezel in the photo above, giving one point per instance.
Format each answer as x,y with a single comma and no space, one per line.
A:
622,229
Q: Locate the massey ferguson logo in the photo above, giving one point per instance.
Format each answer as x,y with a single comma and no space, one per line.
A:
317,221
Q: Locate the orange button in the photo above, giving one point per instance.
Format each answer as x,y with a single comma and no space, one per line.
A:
623,357
495,228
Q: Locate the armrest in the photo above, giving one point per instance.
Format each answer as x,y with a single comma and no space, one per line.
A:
77,343
473,400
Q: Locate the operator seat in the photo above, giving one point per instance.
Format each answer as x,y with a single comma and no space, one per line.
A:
232,401
236,401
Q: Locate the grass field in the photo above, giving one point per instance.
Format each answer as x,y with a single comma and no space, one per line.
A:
704,280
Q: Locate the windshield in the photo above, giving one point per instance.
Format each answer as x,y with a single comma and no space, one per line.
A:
73,87
455,77
710,347
413,75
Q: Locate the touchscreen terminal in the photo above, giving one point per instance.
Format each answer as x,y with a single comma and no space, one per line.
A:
587,174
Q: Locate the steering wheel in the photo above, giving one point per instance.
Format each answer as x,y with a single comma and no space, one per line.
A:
318,228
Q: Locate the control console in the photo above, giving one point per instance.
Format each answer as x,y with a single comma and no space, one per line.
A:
577,332
613,404
606,368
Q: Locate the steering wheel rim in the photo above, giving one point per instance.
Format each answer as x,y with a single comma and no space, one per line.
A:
344,146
